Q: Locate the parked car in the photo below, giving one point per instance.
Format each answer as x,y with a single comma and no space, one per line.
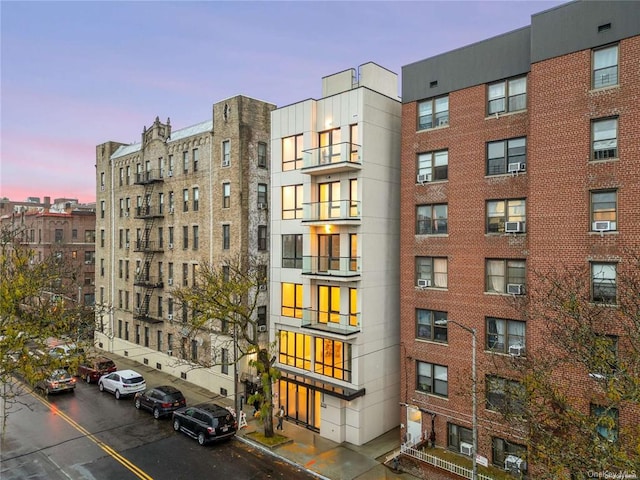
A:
67,355
205,422
122,383
58,381
94,368
160,400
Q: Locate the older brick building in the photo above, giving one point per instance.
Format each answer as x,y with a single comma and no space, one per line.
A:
519,153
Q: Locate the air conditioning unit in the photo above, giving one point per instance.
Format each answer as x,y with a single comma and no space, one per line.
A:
170,248
443,121
516,167
515,288
170,173
423,177
514,227
170,353
87,262
516,350
126,214
262,206
170,316
170,282
466,448
171,211
423,282
262,286
126,245
602,226
262,328
225,163
514,464
102,188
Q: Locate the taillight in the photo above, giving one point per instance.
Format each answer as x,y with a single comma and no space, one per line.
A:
73,380
211,429
165,405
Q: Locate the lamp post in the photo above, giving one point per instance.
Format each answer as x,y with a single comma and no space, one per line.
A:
474,399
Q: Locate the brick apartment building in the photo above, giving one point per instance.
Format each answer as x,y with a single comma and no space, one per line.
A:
174,200
519,153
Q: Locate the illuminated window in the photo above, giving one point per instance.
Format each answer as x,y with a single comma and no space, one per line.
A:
333,358
292,300
295,349
353,307
291,202
292,153
328,304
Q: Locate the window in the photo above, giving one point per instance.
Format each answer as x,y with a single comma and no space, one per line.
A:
604,357
329,204
292,300
226,153
261,316
507,96
160,237
102,237
292,251
185,283
292,153
89,258
433,166
354,205
295,349
433,113
291,202
185,200
126,331
262,195
138,334
196,199
226,195
58,235
103,207
185,237
604,134
333,358
185,162
171,237
605,67
194,350
328,304
171,202
121,176
431,325
431,219
161,203
226,273
431,272
457,435
262,154
354,148
329,142
196,239
146,337
506,156
328,252
159,340
226,237
502,334
506,212
262,237
501,450
432,379
196,158
224,361
353,252
603,283
504,396
502,276
606,421
604,210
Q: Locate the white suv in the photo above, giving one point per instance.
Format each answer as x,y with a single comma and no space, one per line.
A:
122,383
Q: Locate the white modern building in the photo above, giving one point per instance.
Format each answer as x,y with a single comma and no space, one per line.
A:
334,283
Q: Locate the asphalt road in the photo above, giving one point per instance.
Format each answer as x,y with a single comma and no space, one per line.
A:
90,435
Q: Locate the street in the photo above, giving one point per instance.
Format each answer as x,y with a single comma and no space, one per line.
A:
91,435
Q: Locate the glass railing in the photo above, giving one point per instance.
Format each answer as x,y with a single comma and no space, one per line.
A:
331,322
333,210
339,153
333,266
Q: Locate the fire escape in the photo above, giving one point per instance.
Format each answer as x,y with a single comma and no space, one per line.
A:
150,214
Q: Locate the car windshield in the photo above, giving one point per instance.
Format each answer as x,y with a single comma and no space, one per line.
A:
132,380
105,365
59,375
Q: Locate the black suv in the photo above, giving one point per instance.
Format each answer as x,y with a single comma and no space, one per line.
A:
160,400
206,422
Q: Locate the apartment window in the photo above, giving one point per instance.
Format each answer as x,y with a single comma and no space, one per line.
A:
262,237
226,195
185,200
507,156
504,395
604,357
604,206
353,252
262,154
457,435
121,207
328,304
120,302
291,202
292,153
431,272
261,317
333,358
604,134
121,176
605,67
505,336
138,334
295,349
354,148
159,305
505,276
90,236
159,340
262,195
58,235
196,239
606,420
128,175
171,202
146,337
328,252
432,379
185,237
102,237
171,237
101,270
170,343
185,162
433,113
506,216
505,453
329,142
292,251
102,208
194,350
433,166
161,202
431,325
128,206
170,305
224,361
507,95
126,271
226,237
171,165
354,205
89,258
160,237
431,219
126,331
196,158
196,199
292,300
185,280
603,283
226,153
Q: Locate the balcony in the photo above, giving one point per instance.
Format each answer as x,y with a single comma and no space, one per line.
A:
142,280
345,267
148,211
341,324
334,212
151,176
340,157
148,246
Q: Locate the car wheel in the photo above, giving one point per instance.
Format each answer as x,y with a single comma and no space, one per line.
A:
137,403
176,425
156,413
201,438
117,394
88,378
101,387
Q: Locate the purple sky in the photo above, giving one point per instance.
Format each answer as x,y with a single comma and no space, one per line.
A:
76,74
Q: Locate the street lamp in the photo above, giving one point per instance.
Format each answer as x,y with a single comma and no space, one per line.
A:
474,399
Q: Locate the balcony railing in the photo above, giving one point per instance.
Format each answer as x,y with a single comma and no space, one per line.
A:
341,156
343,324
151,176
332,266
142,280
332,211
143,314
147,246
148,211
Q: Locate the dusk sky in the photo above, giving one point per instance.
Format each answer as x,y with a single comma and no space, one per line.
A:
77,74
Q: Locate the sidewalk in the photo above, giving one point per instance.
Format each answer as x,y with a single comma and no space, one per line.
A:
319,456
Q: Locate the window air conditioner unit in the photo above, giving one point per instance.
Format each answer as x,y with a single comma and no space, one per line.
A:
515,288
423,282
170,316
423,177
516,350
514,464
603,226
170,173
126,214
443,121
126,245
262,328
171,210
466,448
102,188
171,246
516,167
225,163
513,227
170,353
170,282
262,206
262,286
